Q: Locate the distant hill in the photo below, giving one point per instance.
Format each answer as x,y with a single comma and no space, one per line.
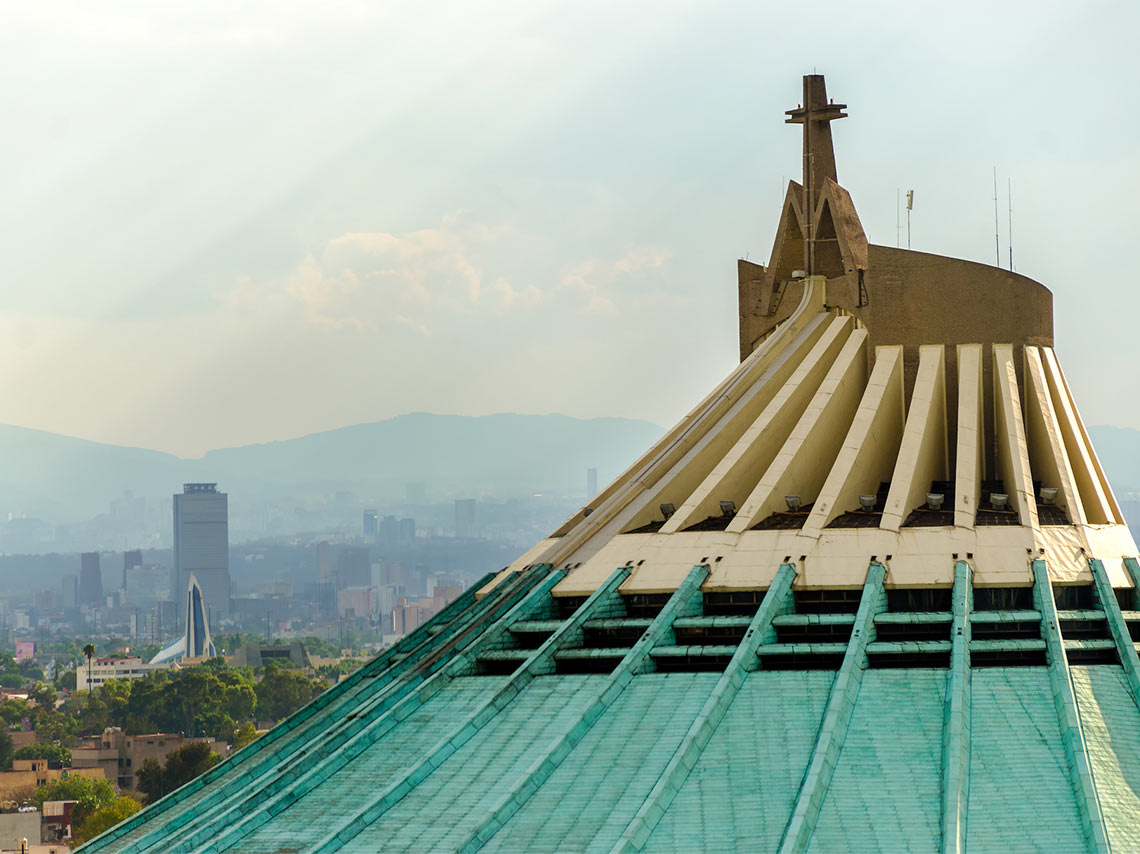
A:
63,478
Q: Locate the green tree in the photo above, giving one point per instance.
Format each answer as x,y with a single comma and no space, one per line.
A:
105,818
245,734
281,692
44,696
66,680
14,711
91,793
53,725
182,766
6,749
89,652
51,752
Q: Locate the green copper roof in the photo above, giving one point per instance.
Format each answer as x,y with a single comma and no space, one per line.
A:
569,734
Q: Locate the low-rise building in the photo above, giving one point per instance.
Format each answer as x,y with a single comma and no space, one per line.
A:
118,756
98,671
27,775
256,654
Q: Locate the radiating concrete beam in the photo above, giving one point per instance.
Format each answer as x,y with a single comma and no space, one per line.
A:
956,725
836,718
871,446
801,466
777,600
1047,454
968,468
1009,430
732,475
1068,714
923,454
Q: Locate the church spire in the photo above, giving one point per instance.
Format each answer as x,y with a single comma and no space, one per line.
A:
816,114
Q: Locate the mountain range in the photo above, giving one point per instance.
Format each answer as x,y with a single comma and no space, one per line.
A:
50,476
62,478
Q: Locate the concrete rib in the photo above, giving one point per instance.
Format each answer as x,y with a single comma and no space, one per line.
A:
1065,701
840,703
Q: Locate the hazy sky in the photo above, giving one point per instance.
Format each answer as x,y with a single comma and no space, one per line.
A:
223,223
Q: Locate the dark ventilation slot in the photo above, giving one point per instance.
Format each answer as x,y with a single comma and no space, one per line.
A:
650,528
813,632
567,605
609,634
1125,598
1092,656
929,516
736,603
1085,630
1133,630
989,513
912,631
1008,630
862,517
920,599
1074,597
791,520
1051,514
804,661
497,667
1004,599
709,635
645,604
530,639
1008,658
910,660
828,601
712,523
692,663
586,665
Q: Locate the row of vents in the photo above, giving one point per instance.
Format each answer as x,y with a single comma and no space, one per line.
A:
612,637
993,509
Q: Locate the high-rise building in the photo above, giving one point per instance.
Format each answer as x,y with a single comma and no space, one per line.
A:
369,527
464,517
131,559
353,568
201,544
90,580
324,561
70,592
873,593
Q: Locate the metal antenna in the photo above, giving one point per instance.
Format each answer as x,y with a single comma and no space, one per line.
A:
1009,234
898,220
997,242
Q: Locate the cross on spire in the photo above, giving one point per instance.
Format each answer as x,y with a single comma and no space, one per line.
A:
816,114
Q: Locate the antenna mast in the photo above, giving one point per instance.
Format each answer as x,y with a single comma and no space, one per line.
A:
997,241
1009,234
